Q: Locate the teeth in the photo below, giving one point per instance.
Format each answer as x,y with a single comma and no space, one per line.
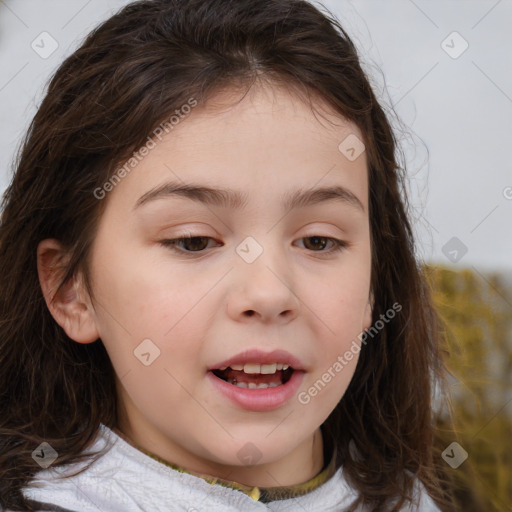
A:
253,385
252,368
268,368
255,368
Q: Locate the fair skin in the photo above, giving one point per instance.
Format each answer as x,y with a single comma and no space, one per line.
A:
207,305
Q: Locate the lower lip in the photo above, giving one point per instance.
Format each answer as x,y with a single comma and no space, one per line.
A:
259,399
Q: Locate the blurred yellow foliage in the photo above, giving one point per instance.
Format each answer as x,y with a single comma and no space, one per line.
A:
476,308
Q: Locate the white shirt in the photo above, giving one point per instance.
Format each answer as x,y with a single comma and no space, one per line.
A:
127,480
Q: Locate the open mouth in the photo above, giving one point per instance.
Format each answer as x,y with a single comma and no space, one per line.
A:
255,376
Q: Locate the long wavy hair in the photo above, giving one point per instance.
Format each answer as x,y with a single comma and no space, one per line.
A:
127,77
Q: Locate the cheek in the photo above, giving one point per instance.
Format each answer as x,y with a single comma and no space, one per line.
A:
141,296
340,305
325,389
150,314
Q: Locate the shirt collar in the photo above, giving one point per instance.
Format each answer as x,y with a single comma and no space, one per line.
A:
262,494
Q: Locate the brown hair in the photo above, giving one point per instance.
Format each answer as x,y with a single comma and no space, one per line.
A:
121,84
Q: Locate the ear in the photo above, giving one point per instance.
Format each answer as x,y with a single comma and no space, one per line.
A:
367,317
70,306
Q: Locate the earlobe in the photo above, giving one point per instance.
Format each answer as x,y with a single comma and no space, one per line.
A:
69,306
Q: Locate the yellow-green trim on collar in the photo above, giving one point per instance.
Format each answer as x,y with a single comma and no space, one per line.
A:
262,494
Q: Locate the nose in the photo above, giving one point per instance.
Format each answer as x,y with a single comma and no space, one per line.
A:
263,290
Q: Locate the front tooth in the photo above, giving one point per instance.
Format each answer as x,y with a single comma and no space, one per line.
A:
279,366
252,385
238,367
252,368
223,368
262,386
241,384
286,366
273,385
268,368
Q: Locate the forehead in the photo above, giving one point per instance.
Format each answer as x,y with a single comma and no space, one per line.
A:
262,111
265,141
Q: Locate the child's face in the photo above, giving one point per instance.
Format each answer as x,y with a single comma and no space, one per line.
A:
206,306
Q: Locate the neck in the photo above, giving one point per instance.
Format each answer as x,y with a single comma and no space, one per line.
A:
302,464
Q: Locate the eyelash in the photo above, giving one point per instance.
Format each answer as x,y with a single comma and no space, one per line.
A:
172,244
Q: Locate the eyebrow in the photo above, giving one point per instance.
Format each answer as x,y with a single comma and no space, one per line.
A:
229,198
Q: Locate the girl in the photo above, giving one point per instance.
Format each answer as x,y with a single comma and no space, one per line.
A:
210,299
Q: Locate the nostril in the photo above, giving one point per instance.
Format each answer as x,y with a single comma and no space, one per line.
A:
250,313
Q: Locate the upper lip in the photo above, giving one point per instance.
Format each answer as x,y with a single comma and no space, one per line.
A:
260,357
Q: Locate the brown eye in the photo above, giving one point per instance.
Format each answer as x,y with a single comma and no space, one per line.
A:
196,243
188,244
199,244
318,244
316,241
